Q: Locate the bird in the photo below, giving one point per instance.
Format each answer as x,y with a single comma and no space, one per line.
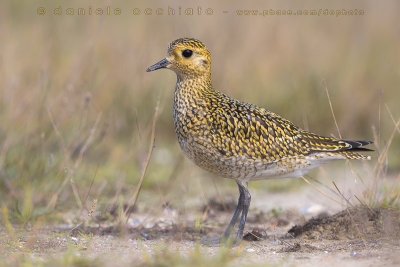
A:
238,140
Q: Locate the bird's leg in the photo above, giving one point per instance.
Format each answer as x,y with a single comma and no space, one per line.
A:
235,216
245,208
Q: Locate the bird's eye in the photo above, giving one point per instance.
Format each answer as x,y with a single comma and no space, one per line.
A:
187,53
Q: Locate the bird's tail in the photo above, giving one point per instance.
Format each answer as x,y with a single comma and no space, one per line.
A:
356,146
349,154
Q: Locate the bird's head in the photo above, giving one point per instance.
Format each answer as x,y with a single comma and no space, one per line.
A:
187,57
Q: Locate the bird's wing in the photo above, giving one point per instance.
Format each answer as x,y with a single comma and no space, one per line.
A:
240,129
247,130
297,141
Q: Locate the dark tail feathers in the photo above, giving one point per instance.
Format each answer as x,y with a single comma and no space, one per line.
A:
357,145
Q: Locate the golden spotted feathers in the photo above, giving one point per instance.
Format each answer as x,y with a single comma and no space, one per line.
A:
189,57
187,42
236,139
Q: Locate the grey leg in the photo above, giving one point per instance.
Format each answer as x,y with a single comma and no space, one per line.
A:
235,216
245,208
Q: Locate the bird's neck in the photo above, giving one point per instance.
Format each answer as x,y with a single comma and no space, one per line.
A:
193,86
191,98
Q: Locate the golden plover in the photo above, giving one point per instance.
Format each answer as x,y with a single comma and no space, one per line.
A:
238,140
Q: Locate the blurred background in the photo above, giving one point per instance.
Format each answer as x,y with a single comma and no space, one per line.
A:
76,105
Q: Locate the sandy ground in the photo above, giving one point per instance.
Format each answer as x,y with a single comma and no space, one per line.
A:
307,229
112,250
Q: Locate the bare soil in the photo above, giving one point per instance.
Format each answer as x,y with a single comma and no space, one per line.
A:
356,236
304,230
351,224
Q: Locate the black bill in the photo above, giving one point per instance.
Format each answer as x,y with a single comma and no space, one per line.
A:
159,65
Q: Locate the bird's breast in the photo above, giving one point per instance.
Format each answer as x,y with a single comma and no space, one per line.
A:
190,121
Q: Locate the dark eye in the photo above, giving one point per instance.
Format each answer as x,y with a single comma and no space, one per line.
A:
187,53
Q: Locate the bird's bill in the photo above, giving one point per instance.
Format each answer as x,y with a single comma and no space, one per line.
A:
159,65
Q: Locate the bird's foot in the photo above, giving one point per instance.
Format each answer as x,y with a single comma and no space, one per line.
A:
218,241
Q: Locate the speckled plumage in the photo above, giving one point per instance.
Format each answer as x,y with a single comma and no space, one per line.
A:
239,140
235,139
